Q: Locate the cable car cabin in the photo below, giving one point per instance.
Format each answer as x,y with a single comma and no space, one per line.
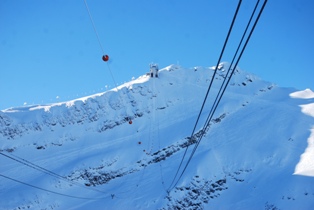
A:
105,58
153,70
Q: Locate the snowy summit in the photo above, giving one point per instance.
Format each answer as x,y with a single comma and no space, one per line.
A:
122,148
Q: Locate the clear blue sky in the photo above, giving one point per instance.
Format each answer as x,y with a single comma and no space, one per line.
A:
49,51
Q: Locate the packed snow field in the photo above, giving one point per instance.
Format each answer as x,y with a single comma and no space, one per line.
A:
258,152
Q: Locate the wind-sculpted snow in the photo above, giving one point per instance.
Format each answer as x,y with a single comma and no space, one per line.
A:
121,149
107,108
306,164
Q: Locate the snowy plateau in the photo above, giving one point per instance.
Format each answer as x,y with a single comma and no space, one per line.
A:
257,153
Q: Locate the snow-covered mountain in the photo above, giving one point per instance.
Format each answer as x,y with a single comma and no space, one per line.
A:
258,152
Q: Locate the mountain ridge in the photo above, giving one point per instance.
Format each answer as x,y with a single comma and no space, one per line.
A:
258,129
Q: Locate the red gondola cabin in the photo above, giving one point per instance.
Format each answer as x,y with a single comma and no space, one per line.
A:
105,58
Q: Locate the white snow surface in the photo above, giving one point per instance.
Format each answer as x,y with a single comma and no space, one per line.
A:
305,94
258,152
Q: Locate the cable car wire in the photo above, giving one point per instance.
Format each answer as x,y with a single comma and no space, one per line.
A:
105,57
209,87
207,123
94,27
210,115
34,166
48,172
50,191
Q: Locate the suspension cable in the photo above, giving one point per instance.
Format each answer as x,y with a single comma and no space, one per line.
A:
98,39
46,171
211,115
94,27
50,191
209,87
230,66
223,85
214,107
103,52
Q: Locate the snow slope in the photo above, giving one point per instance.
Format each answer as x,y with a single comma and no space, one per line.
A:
306,164
257,153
